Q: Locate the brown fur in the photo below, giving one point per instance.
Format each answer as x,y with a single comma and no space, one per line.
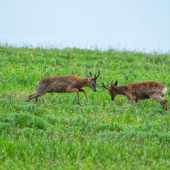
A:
64,84
139,91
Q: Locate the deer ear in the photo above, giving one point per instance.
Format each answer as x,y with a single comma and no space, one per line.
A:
116,83
91,75
86,75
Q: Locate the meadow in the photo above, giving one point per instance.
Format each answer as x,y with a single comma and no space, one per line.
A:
57,133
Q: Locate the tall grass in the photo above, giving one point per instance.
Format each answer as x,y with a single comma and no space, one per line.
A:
57,133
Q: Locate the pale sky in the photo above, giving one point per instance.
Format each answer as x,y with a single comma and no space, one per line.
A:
140,25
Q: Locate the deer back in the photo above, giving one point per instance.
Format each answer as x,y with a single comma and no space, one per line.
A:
146,87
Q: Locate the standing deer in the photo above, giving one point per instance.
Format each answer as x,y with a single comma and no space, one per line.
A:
65,84
139,91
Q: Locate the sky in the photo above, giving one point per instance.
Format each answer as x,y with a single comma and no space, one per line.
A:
134,25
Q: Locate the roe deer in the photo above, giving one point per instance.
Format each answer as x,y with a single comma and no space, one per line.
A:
65,84
139,91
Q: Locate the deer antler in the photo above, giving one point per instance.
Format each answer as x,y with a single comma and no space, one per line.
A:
104,86
97,75
111,84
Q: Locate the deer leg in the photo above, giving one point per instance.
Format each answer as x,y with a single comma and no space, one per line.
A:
30,97
82,90
133,99
74,90
161,100
133,102
35,95
39,92
36,99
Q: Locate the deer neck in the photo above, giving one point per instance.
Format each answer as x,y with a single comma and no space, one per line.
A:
121,90
81,82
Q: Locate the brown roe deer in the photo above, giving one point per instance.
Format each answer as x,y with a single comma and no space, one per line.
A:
65,84
139,91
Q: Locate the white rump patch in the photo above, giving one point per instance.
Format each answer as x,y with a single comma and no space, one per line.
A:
164,91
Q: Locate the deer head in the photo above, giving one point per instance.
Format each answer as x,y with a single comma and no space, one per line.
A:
112,89
92,80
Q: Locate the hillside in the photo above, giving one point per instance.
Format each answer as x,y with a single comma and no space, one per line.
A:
57,133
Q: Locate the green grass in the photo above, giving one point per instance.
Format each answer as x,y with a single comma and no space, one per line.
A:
57,133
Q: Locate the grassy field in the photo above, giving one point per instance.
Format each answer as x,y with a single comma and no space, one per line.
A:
57,133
